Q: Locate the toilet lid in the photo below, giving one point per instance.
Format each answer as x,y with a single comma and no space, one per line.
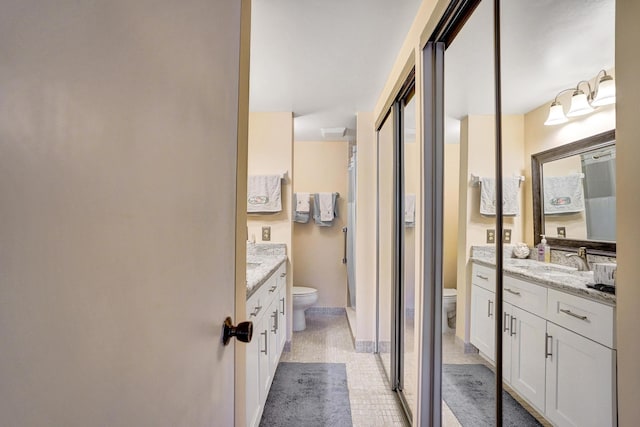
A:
303,290
449,292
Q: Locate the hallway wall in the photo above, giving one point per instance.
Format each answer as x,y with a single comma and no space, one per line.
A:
628,210
321,166
270,152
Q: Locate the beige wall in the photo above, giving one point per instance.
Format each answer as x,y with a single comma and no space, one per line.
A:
322,167
117,179
540,138
270,152
477,156
366,204
451,189
628,210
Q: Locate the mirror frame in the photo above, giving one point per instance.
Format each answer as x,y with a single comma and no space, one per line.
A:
595,142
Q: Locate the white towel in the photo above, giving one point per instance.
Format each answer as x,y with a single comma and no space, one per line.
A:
563,194
302,202
510,188
264,194
326,206
409,208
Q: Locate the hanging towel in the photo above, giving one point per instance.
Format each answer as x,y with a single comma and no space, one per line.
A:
510,188
563,194
299,216
326,206
302,202
263,194
409,209
317,217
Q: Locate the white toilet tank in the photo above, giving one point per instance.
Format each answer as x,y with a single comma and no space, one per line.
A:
449,297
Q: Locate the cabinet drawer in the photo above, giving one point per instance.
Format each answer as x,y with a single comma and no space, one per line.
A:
585,317
485,277
256,305
526,295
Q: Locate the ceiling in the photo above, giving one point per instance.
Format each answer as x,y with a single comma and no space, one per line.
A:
327,60
324,60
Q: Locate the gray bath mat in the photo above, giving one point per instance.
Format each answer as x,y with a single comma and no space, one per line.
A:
469,390
308,394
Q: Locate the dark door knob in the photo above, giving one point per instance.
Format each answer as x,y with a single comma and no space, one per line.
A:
243,332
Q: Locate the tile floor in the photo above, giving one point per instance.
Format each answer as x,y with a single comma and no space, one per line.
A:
328,339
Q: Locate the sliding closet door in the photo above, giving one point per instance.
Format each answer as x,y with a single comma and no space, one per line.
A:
408,228
469,294
386,250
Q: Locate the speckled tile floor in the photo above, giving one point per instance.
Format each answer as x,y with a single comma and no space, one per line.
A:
327,339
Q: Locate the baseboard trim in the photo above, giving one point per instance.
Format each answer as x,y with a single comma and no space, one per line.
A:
365,346
326,310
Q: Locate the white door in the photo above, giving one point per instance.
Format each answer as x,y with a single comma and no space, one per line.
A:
118,153
580,380
528,356
483,333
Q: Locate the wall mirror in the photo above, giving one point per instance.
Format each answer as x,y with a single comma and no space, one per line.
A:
574,194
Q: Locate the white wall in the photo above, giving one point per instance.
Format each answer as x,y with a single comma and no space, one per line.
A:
366,229
118,135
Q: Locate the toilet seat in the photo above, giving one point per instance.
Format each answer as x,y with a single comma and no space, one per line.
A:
303,290
449,292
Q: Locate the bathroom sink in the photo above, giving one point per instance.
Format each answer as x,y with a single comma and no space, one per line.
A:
570,274
539,266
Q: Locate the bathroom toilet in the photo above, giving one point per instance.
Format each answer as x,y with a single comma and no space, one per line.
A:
448,309
303,298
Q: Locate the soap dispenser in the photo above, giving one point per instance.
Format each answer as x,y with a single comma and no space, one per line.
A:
544,250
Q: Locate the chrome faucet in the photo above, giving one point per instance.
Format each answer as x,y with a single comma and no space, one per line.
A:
582,256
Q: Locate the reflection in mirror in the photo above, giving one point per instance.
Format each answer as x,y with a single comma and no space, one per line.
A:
574,193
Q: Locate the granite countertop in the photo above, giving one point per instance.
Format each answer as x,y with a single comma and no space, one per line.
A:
553,276
259,268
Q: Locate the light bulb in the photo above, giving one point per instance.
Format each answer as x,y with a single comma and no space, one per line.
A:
556,115
605,92
579,104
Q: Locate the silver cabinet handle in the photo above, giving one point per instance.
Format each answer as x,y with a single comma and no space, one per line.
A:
265,342
547,345
256,310
489,313
505,322
512,323
570,313
273,288
282,312
275,322
480,276
511,291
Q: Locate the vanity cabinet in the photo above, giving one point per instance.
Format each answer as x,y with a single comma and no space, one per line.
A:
558,348
483,321
524,365
269,335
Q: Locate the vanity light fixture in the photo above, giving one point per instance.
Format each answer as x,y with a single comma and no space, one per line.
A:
604,93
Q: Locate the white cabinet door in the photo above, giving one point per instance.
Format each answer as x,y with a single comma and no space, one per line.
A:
253,383
580,380
262,334
483,320
507,314
273,314
282,309
527,333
